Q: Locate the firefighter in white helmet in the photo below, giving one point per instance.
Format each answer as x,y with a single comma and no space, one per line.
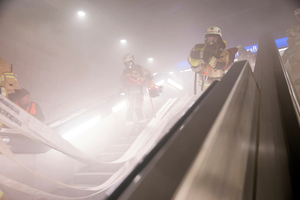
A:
294,37
134,78
211,58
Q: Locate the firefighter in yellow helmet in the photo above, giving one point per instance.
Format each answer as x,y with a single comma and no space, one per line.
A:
209,59
8,81
134,79
294,37
9,86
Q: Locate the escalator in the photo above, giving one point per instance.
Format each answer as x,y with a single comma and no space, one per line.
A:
239,140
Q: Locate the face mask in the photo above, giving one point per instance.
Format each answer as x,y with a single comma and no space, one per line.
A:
212,39
129,64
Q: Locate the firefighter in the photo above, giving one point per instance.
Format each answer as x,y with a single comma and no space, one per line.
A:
134,78
246,55
9,86
209,59
8,81
294,36
31,107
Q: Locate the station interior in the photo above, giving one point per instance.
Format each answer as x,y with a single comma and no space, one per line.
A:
238,139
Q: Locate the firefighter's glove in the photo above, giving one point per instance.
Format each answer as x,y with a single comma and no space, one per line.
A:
195,68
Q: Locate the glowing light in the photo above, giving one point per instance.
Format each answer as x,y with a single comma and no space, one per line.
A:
171,72
175,84
154,74
76,132
181,71
123,41
81,13
119,106
187,70
283,49
160,82
6,140
150,59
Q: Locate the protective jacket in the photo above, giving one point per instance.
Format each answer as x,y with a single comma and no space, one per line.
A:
135,78
209,61
8,81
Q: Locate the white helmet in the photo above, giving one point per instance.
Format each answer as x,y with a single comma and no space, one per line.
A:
128,57
214,31
297,11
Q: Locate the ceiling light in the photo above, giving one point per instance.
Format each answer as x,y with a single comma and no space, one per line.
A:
81,13
123,41
171,72
150,59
